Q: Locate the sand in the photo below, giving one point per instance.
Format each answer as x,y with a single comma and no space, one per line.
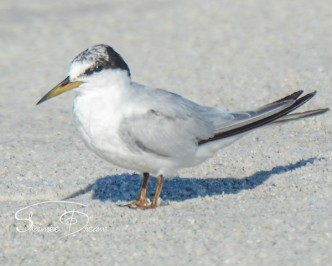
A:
265,200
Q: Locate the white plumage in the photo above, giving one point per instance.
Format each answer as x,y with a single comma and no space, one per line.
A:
152,130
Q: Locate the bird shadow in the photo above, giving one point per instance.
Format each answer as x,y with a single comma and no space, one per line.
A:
126,187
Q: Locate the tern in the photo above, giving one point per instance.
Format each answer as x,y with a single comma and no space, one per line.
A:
151,130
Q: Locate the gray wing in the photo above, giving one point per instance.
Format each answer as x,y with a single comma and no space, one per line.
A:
172,126
167,125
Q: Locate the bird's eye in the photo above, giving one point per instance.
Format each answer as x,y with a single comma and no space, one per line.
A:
98,69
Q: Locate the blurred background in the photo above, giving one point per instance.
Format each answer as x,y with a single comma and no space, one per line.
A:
187,46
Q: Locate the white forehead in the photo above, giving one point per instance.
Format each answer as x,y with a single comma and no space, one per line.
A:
86,59
77,68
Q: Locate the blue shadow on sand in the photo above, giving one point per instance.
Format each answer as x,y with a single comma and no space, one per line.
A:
126,187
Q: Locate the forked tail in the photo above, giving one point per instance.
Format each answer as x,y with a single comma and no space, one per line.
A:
281,116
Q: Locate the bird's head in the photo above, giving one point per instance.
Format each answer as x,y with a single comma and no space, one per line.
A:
86,65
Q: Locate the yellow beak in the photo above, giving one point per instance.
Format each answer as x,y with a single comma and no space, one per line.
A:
62,87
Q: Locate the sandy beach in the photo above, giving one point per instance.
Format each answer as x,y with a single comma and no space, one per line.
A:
265,200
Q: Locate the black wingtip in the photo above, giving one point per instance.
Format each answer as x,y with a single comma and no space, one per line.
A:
305,98
296,94
266,120
313,93
292,96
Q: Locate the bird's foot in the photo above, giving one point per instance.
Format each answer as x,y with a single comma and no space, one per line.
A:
141,204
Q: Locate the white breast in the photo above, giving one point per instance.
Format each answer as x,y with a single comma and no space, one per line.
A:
97,113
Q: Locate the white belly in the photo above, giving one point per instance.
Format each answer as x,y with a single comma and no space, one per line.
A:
98,124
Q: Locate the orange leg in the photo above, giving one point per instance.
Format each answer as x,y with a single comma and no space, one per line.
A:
160,183
144,202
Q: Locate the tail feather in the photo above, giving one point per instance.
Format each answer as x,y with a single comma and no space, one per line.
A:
297,116
292,102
